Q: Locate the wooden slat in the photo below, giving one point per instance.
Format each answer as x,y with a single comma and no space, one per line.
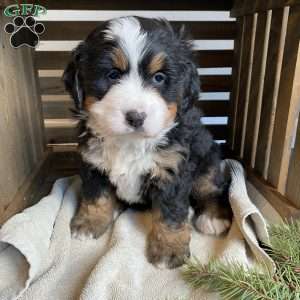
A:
52,60
54,85
271,85
293,183
22,145
137,5
57,109
286,106
61,135
219,132
216,83
213,108
236,77
61,123
248,83
257,84
279,202
56,98
214,58
245,81
244,7
74,30
67,134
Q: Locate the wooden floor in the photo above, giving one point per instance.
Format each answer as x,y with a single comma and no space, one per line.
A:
40,182
58,165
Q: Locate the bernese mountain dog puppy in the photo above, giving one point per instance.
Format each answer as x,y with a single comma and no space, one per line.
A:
134,83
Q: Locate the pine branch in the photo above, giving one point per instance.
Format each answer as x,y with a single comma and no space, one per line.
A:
285,241
234,281
285,251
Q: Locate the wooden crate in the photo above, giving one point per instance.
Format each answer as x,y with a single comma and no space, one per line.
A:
22,142
265,101
38,132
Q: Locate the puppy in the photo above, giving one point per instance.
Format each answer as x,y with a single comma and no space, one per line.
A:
134,82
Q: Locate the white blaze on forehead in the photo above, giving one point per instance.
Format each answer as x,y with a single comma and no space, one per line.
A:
128,33
108,117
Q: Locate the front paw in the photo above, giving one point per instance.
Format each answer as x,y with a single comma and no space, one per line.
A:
87,227
168,248
212,225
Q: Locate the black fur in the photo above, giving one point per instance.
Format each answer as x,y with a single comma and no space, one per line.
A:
174,198
94,182
85,75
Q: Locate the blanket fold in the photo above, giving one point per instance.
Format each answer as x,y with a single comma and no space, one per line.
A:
39,259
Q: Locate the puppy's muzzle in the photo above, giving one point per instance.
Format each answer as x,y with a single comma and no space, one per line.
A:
135,119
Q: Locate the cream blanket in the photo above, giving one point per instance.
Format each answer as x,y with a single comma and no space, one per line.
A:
39,260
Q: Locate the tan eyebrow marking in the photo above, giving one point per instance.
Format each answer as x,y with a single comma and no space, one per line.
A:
157,62
119,59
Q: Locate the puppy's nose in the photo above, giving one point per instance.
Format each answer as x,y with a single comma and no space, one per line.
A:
135,119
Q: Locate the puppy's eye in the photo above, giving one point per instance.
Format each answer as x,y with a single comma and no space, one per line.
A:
159,78
114,74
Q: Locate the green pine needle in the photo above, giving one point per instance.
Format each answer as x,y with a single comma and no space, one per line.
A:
233,281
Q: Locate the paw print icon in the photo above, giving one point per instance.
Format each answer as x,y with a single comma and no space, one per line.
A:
24,31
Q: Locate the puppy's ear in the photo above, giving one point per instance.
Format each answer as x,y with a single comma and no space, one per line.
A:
191,85
72,78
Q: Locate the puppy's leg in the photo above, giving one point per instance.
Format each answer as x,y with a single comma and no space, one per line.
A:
94,216
210,200
168,241
97,207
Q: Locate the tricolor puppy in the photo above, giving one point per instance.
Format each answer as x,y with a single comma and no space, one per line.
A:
134,83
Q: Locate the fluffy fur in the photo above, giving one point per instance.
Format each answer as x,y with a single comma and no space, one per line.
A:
134,83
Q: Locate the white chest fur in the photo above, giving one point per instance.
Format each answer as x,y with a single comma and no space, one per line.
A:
125,161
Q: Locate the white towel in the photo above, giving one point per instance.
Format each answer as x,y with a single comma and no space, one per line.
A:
39,260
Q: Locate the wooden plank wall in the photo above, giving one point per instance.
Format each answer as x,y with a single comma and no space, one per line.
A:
22,146
293,182
187,5
50,64
266,94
